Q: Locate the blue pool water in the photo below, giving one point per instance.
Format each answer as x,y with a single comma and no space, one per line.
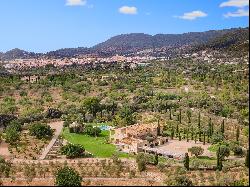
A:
105,127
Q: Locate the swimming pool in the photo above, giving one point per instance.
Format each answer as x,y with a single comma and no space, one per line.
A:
105,127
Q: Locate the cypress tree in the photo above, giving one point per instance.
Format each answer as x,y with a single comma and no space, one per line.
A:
247,159
195,137
180,116
189,114
238,134
179,136
210,127
158,128
170,114
192,133
199,126
204,138
219,160
223,126
186,161
113,108
156,160
172,133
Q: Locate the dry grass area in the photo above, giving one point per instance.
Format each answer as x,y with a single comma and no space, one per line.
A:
86,182
95,172
28,147
211,177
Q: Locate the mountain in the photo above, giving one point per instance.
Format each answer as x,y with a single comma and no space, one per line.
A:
17,54
235,42
140,41
236,39
69,52
126,42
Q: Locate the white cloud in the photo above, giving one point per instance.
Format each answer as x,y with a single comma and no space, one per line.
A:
235,3
76,2
238,13
193,15
128,10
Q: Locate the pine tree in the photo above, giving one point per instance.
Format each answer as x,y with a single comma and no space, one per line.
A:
186,161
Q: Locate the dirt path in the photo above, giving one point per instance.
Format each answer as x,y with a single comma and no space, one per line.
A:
4,151
58,126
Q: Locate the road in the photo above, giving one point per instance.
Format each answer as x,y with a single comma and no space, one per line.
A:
58,126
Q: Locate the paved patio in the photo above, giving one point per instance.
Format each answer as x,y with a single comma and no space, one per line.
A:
177,148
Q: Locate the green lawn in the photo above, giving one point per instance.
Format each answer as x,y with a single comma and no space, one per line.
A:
206,159
97,146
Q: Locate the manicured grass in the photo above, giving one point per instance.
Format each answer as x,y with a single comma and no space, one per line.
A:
97,146
214,148
208,160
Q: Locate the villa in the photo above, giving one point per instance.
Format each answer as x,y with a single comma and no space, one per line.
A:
135,138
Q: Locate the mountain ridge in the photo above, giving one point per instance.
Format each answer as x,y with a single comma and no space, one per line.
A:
128,43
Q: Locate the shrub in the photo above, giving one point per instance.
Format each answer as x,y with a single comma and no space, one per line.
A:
15,125
92,131
237,150
73,151
141,162
68,177
183,181
6,119
41,130
224,151
12,136
161,167
53,113
217,138
4,168
196,150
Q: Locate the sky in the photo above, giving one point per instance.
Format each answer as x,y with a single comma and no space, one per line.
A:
45,25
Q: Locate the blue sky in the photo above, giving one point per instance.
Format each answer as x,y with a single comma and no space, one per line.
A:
44,25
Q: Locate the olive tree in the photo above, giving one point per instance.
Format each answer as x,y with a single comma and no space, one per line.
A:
67,176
